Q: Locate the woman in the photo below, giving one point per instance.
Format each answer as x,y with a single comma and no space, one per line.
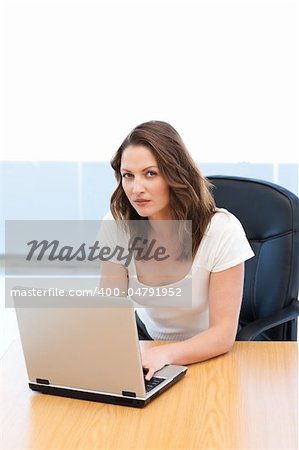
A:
160,186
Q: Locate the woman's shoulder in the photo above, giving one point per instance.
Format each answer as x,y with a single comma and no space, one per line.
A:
223,216
223,221
108,216
112,229
224,244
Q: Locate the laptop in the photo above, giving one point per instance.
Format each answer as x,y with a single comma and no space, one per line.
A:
90,352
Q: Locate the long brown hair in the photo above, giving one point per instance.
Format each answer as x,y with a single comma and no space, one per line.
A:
190,192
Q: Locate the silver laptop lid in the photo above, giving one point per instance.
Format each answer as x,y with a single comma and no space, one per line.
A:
94,348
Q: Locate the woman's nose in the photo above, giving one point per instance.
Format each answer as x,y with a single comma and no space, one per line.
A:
137,186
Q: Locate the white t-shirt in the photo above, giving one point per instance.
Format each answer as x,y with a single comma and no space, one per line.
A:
223,245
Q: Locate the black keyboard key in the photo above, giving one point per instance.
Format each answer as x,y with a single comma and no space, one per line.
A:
152,383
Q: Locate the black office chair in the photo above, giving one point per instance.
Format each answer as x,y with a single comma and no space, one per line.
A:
270,217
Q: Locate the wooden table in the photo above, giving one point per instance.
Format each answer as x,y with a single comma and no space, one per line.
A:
246,399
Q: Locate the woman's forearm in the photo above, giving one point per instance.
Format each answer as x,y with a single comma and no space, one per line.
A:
205,345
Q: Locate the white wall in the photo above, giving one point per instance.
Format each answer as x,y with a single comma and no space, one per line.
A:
78,75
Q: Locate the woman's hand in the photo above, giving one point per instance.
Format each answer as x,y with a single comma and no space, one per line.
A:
155,358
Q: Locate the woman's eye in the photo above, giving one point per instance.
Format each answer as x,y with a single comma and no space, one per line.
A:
149,174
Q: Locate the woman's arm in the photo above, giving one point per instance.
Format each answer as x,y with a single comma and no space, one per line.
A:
225,296
114,276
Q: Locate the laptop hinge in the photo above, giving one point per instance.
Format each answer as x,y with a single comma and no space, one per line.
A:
129,394
42,381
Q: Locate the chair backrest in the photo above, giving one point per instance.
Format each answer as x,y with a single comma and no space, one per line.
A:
270,217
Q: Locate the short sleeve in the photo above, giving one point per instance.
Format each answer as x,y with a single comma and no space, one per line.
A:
226,244
114,239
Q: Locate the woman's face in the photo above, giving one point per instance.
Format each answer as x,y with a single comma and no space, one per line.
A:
143,183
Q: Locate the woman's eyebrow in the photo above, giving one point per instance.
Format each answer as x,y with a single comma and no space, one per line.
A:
143,170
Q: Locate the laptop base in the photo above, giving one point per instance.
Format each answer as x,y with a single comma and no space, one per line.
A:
98,397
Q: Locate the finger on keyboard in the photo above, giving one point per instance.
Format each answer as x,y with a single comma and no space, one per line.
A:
149,374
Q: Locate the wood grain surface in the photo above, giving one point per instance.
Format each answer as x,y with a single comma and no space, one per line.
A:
246,399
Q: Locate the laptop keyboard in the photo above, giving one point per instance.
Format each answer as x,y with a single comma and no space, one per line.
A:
152,383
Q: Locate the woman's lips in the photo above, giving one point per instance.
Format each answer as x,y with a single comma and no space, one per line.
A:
141,202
